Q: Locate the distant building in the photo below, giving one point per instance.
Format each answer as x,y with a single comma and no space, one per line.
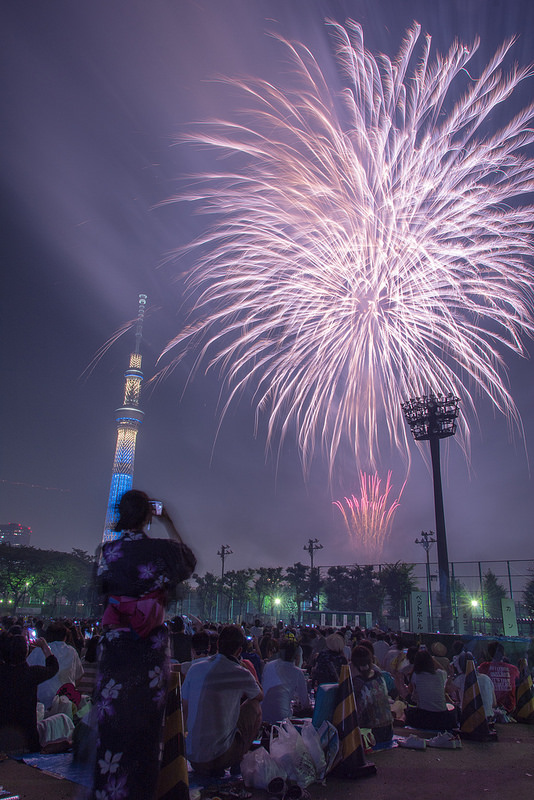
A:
15,533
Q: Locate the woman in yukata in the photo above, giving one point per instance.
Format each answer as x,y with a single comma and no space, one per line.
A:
136,576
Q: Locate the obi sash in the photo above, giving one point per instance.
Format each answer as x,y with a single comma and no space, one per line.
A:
138,614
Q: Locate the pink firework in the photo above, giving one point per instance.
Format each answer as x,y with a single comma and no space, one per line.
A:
368,517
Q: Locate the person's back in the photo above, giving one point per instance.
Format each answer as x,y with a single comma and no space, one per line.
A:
430,690
381,647
220,726
428,683
70,665
371,695
327,668
18,694
503,675
283,682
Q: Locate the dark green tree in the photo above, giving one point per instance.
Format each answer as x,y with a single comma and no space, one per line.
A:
236,590
354,588
492,592
528,594
208,588
267,586
22,572
371,592
338,589
398,582
67,575
298,582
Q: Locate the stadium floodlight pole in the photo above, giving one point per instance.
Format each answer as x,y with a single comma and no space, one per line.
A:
431,418
222,553
311,547
427,541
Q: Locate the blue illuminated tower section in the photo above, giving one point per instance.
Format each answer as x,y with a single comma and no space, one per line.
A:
129,418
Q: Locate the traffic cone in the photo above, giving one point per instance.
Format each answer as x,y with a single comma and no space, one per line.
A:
173,783
473,721
524,709
352,763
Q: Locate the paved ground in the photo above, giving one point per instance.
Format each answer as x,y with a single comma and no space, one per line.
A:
503,770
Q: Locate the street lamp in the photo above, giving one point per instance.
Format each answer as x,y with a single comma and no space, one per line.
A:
427,542
432,418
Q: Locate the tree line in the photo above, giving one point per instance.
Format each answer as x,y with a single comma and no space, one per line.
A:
30,576
345,589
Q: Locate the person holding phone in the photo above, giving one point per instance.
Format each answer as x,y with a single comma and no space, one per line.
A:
18,692
136,574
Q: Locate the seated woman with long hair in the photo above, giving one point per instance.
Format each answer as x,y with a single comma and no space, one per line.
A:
432,711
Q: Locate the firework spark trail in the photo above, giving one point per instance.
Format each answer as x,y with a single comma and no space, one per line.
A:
368,518
368,251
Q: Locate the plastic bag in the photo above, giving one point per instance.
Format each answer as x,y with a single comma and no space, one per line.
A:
330,744
291,754
312,741
258,768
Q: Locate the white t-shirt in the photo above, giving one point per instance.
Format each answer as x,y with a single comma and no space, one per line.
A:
430,690
70,670
282,682
214,688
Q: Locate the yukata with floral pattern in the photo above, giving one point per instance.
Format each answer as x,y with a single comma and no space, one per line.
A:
136,573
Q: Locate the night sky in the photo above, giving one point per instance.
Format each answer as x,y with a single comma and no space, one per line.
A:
94,95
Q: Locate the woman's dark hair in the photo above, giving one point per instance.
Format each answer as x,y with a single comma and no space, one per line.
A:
368,646
16,649
134,509
423,662
362,658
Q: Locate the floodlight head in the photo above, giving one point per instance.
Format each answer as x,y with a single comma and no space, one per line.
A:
431,416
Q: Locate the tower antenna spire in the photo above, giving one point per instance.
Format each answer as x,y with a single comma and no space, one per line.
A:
129,419
139,326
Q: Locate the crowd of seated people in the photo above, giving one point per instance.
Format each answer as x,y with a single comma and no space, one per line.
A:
275,672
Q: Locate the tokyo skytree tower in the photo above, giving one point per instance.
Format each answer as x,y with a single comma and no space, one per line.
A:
129,418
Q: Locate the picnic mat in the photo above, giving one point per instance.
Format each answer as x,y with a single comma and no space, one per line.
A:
62,765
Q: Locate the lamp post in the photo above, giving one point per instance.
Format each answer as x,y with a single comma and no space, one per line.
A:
311,547
427,542
433,417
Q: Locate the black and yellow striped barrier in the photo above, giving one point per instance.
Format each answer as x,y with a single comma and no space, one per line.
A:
474,724
524,709
173,781
352,763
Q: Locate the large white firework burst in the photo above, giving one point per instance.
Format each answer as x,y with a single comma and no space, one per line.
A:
370,247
